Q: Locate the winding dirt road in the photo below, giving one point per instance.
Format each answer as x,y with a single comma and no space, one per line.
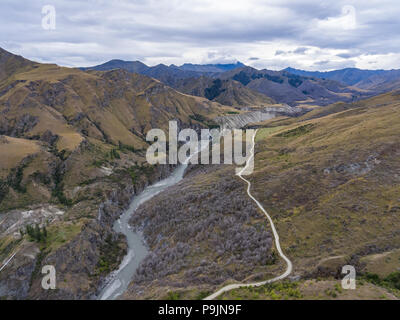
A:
276,236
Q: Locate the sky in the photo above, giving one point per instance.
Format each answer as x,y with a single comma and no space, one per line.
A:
271,34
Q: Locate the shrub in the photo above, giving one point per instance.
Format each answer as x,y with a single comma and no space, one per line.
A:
36,233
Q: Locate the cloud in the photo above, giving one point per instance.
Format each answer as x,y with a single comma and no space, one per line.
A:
298,51
301,50
279,33
321,63
347,20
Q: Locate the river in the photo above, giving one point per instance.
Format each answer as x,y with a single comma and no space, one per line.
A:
137,251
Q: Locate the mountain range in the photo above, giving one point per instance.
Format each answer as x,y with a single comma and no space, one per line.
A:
219,82
375,80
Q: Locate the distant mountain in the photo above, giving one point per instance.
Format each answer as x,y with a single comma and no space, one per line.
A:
349,76
137,66
131,66
211,67
377,81
382,82
293,89
195,79
291,86
169,75
227,92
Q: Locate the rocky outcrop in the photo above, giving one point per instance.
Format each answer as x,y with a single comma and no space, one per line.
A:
18,127
254,116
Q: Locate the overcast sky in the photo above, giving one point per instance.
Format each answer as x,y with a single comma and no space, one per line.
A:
273,34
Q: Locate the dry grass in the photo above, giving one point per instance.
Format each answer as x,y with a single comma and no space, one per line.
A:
311,290
13,150
382,263
320,214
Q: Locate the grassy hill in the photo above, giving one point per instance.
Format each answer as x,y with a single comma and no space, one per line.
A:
64,110
331,184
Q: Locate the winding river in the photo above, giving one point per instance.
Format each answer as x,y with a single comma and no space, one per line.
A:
137,251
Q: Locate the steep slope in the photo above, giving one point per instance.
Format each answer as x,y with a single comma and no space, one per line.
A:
203,232
112,106
10,64
67,109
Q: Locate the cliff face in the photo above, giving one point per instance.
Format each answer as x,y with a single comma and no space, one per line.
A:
256,115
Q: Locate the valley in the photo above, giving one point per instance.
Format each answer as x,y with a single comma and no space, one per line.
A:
76,191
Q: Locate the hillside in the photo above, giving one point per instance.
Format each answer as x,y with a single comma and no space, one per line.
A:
202,232
331,184
73,154
10,64
110,106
